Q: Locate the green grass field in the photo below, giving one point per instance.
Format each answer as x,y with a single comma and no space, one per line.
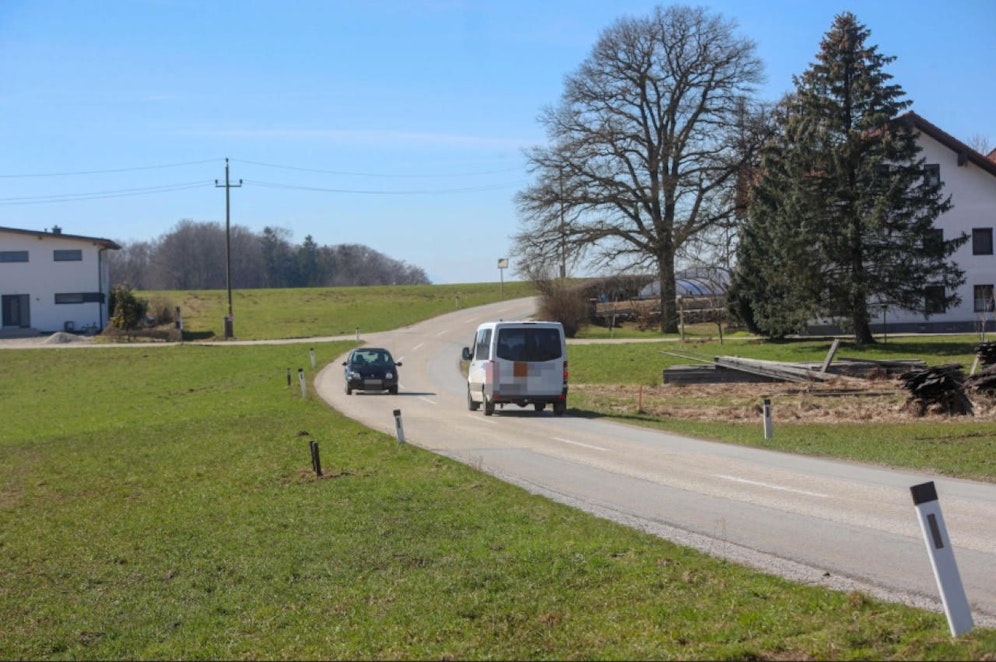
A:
158,502
321,312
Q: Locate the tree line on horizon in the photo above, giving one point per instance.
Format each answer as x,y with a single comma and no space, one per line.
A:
192,256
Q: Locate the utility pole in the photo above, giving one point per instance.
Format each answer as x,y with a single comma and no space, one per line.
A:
230,319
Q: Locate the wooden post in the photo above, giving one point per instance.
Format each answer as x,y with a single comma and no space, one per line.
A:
829,358
316,460
681,317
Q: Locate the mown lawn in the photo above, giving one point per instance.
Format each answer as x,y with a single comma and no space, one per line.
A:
159,503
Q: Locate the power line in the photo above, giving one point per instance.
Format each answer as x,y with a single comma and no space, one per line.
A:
297,187
99,195
104,172
377,174
169,188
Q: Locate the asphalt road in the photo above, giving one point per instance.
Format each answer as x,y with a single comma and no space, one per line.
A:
840,525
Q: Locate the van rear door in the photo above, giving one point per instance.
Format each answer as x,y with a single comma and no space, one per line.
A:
529,360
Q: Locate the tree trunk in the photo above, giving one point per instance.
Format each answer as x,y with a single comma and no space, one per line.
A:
862,324
668,304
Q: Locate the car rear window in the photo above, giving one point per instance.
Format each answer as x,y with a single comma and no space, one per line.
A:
528,344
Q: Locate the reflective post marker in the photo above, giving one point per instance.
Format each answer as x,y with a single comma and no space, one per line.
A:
312,352
767,418
300,378
399,430
942,560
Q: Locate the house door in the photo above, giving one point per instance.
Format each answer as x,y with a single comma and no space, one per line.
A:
16,310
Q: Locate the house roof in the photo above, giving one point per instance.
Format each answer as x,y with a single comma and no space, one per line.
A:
58,233
961,149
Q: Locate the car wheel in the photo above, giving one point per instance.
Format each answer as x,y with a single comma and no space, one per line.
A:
489,405
349,391
539,406
471,404
393,390
559,408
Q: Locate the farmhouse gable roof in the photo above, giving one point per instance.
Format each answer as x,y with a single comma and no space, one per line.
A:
965,154
42,234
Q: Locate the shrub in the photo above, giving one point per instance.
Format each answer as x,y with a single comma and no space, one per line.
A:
563,301
161,309
129,310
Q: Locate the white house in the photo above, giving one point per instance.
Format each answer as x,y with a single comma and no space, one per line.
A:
51,281
970,179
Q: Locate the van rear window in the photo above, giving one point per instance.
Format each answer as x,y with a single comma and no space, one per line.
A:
528,344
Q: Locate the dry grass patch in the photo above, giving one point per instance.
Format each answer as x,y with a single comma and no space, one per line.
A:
871,401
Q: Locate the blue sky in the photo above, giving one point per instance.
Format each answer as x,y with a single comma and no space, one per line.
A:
398,124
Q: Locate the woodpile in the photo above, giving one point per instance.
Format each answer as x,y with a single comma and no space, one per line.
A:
983,381
986,351
940,389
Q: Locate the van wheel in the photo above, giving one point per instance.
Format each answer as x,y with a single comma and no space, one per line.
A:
489,406
539,406
471,405
349,391
559,408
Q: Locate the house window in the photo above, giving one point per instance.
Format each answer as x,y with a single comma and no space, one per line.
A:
13,256
68,255
933,300
982,241
983,298
80,297
932,174
933,241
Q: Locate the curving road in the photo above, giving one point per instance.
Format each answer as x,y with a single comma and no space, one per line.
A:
836,524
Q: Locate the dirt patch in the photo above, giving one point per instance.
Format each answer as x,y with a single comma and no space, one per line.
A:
882,401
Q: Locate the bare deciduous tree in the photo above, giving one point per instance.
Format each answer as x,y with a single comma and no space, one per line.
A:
129,266
646,147
980,144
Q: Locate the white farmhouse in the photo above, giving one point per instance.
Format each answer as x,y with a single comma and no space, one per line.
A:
51,281
970,179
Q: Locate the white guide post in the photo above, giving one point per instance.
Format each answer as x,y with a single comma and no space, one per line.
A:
942,559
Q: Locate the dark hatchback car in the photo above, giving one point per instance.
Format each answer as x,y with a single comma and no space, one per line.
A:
371,369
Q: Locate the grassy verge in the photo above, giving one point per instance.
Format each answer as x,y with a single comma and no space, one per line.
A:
320,312
158,503
606,376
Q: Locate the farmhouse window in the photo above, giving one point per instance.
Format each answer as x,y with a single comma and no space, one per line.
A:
13,256
982,241
933,241
983,298
932,174
933,303
79,297
68,255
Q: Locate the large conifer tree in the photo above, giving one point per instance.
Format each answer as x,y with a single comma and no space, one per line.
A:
841,214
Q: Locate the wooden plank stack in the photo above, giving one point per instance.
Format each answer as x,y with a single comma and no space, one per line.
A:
940,389
984,381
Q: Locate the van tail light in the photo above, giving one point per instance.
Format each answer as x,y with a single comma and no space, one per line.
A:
565,373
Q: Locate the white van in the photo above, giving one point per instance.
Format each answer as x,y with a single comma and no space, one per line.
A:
522,363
